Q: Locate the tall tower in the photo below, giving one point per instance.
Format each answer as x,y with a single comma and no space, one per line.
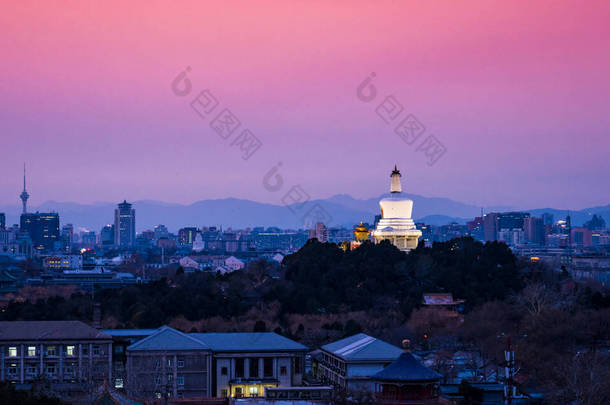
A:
124,225
24,194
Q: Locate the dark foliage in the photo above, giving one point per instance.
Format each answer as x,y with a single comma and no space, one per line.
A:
319,278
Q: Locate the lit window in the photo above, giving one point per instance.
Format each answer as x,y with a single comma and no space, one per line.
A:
12,351
69,350
253,391
31,351
118,383
180,363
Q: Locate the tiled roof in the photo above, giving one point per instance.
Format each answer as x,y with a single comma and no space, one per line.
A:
406,368
166,338
364,348
49,330
248,342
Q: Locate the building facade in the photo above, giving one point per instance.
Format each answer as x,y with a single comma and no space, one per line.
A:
70,355
124,225
349,363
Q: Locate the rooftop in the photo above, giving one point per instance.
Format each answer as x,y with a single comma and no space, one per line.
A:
166,338
406,368
248,342
49,330
363,347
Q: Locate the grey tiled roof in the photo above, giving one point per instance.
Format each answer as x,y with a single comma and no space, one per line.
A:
49,330
129,332
166,338
362,347
248,342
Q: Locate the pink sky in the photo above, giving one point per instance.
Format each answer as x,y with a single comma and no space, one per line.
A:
518,92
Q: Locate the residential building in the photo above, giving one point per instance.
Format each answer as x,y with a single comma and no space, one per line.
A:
349,363
63,262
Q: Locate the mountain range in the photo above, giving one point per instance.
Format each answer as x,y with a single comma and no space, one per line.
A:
238,213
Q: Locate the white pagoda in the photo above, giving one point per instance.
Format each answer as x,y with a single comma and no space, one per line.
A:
396,224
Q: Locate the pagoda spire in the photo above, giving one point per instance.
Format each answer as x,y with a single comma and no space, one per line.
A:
395,186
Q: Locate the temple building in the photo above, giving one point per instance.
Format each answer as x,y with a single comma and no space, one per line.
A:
407,382
396,224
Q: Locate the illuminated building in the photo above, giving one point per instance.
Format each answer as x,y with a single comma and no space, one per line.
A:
124,225
396,224
361,234
43,229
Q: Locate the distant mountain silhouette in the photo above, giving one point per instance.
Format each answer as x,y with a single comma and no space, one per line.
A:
237,213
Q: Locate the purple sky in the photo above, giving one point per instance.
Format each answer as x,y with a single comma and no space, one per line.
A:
518,94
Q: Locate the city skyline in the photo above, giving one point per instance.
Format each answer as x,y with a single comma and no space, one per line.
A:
518,104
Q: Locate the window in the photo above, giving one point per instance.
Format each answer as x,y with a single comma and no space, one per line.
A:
223,393
118,383
180,363
96,350
253,390
12,370
238,393
180,380
239,368
70,351
170,377
85,350
51,351
12,351
50,371
268,367
118,349
253,367
69,370
224,371
283,370
31,351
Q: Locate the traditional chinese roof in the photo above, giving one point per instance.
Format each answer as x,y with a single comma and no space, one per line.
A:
406,369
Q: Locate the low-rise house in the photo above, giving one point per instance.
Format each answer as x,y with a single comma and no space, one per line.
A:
70,355
349,363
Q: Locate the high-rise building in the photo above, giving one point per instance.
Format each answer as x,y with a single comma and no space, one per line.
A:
161,232
186,236
534,230
124,225
2,221
43,229
67,233
490,226
319,232
107,235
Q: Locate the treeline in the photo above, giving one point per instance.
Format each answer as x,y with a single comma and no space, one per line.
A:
320,278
